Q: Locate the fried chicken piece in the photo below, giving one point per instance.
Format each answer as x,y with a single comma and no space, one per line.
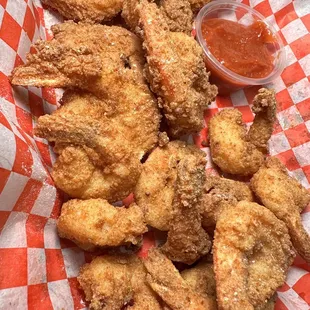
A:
176,72
155,188
220,193
201,279
177,14
252,252
90,10
115,282
95,223
233,149
187,241
286,198
110,126
167,282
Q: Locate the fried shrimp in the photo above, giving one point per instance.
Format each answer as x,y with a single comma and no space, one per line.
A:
286,198
177,14
252,253
187,241
90,11
167,282
201,279
220,193
95,223
103,131
116,282
233,149
176,72
155,189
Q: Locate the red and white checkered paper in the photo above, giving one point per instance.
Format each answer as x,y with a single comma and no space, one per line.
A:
37,269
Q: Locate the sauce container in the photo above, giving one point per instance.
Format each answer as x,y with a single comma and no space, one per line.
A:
226,79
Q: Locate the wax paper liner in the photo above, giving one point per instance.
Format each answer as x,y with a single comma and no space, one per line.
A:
37,269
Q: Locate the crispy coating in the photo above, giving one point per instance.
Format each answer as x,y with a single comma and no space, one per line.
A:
176,72
220,193
286,198
187,241
167,282
201,279
95,223
114,282
233,149
90,10
252,254
155,188
177,14
110,126
196,5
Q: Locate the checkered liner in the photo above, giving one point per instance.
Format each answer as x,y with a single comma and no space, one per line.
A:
37,269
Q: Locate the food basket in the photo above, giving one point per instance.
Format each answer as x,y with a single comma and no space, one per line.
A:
37,269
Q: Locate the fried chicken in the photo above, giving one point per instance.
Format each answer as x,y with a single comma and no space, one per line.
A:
115,282
286,198
167,282
108,127
95,223
252,252
220,193
187,241
155,189
177,14
176,72
90,10
233,149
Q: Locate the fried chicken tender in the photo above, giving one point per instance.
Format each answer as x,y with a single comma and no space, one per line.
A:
167,282
155,188
107,128
176,72
220,193
252,252
90,10
201,279
95,223
233,149
115,282
286,198
187,241
177,13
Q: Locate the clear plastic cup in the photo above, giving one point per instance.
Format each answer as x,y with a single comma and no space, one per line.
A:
227,80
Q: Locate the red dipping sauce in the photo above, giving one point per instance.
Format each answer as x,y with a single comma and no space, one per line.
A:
241,49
